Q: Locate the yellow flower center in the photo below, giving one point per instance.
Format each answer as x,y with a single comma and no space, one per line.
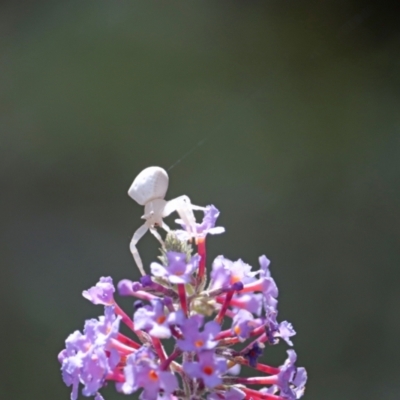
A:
237,330
235,278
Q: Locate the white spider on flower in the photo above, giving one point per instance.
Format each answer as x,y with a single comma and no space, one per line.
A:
149,189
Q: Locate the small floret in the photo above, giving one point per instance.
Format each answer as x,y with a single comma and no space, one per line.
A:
142,371
207,226
195,340
243,323
178,271
102,293
209,368
155,321
226,272
291,380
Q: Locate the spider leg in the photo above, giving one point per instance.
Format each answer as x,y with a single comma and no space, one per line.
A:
184,208
194,207
157,235
165,227
135,239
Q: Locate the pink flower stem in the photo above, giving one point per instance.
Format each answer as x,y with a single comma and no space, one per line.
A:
260,339
253,286
115,376
141,294
228,341
260,367
254,380
255,394
159,348
201,250
227,301
182,298
227,334
223,334
128,341
235,302
125,319
251,397
122,348
258,331
175,354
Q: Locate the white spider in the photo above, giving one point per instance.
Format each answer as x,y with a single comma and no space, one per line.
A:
149,189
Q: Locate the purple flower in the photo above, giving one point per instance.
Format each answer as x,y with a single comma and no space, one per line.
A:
102,293
249,301
270,292
226,272
253,354
84,358
142,371
243,323
94,370
178,270
209,368
142,359
207,226
271,324
88,367
291,380
264,266
193,339
299,382
267,286
125,287
211,214
154,320
102,330
71,363
285,331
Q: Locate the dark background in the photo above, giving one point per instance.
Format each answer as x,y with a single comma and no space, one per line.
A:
296,108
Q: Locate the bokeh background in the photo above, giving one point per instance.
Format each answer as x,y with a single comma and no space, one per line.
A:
292,111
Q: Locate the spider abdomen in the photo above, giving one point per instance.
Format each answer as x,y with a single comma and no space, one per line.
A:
150,184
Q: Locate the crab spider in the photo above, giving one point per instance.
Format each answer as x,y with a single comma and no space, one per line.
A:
149,189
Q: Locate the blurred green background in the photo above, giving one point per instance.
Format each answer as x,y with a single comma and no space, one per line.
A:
296,108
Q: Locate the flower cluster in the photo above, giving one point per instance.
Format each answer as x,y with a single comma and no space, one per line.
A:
217,325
